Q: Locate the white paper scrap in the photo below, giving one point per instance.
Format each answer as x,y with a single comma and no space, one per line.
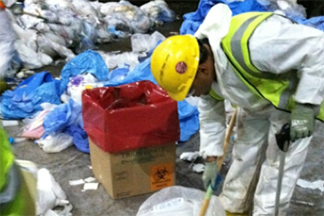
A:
319,184
9,123
89,179
90,186
76,182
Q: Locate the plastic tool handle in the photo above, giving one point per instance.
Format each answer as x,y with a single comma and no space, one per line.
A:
220,160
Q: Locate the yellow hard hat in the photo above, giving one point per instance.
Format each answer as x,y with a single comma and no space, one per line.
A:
174,65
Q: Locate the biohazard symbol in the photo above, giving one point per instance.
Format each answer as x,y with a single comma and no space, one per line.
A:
161,172
181,67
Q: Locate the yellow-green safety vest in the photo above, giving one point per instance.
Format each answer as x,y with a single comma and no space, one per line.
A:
278,89
16,204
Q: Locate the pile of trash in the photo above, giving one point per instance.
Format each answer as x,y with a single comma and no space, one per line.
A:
48,30
51,108
55,125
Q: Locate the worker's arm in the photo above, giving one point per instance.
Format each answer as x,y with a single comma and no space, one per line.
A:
212,127
277,46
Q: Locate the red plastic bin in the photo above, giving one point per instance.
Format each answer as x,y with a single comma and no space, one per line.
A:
131,116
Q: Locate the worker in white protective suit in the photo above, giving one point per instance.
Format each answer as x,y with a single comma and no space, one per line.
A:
7,39
272,69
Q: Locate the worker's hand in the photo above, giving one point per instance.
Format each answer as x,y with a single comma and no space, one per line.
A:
210,174
302,122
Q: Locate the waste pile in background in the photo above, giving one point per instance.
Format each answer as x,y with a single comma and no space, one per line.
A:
38,99
69,27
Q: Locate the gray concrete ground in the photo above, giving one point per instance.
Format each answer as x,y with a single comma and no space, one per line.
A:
72,164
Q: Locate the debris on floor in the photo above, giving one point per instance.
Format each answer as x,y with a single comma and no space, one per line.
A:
319,184
189,156
51,108
50,193
180,201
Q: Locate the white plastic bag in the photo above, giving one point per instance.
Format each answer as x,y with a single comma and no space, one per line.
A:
55,143
6,43
179,201
74,90
50,193
158,11
145,42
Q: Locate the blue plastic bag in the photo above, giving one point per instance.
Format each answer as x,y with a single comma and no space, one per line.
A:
89,62
67,118
193,20
25,100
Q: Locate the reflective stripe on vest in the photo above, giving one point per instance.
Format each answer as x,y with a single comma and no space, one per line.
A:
214,95
278,89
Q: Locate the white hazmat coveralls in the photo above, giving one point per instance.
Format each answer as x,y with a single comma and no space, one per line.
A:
276,46
7,38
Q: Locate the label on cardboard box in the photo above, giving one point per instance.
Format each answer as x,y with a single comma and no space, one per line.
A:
148,169
161,176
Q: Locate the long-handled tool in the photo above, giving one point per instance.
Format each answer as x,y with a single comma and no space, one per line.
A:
283,141
220,160
18,10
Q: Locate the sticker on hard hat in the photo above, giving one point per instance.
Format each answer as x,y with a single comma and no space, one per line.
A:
181,67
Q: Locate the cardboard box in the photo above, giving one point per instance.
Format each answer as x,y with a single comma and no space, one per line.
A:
134,172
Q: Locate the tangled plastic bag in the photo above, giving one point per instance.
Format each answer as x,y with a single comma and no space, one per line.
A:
180,201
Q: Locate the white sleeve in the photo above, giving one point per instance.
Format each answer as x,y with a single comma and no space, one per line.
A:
278,46
212,126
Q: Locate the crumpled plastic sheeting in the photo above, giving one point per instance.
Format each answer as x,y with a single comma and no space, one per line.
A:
6,43
188,115
28,96
180,201
77,84
146,42
158,11
89,62
49,193
193,20
121,60
55,143
293,11
67,118
73,26
126,17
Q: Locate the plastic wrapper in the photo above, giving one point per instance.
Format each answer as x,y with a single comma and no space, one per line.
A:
158,11
26,99
130,116
180,201
86,10
49,193
145,42
89,62
6,43
78,83
125,17
121,60
55,143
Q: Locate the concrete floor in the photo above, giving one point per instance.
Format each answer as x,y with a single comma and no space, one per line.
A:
72,164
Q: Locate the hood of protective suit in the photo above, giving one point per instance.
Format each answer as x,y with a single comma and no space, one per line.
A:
215,25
